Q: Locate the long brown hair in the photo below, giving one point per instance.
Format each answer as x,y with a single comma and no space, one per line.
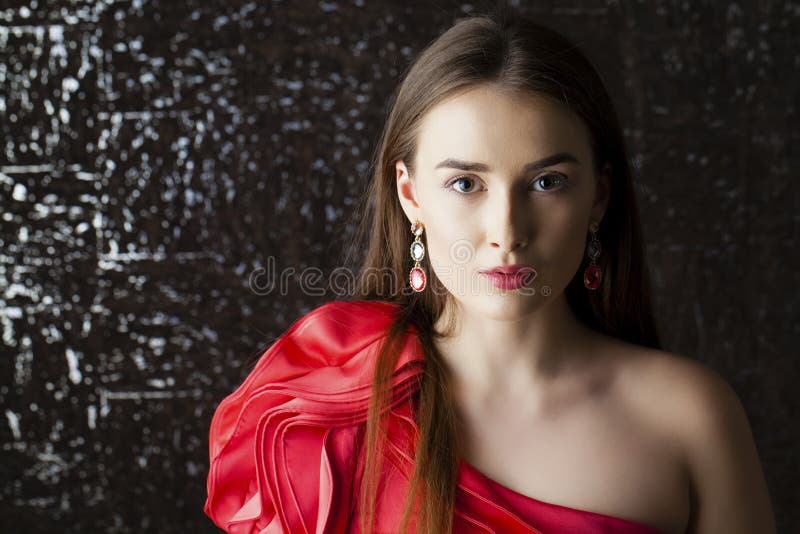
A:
511,51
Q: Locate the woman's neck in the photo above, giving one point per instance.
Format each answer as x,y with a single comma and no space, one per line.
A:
528,353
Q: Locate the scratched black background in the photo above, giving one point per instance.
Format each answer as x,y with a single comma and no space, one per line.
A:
156,153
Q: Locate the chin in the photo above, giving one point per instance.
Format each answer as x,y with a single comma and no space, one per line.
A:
508,306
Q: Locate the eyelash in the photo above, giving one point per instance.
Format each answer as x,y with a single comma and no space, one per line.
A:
562,179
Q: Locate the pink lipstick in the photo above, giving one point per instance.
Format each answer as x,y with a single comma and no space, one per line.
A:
510,276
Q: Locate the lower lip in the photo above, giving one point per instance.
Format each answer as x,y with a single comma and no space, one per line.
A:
511,281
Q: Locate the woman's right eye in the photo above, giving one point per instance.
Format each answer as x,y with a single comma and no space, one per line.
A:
460,179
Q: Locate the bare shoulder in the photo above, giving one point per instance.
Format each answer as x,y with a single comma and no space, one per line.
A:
681,388
701,410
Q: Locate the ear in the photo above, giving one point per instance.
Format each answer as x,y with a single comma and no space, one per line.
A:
406,191
602,193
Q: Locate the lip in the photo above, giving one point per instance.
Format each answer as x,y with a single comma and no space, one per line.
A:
508,269
510,276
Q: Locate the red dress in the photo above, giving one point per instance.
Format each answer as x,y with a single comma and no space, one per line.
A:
283,445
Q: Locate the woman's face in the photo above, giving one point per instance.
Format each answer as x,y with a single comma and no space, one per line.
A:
527,196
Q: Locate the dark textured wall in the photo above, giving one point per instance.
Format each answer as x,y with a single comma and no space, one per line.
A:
156,153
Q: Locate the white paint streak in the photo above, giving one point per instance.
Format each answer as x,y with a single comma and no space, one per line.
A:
74,371
19,193
11,312
106,395
91,416
161,383
23,169
13,422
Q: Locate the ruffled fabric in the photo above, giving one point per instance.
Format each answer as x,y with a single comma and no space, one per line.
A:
284,446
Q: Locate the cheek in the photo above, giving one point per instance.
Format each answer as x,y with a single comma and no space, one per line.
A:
444,235
565,244
444,221
451,243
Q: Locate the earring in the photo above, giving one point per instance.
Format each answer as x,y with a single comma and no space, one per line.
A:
416,276
592,276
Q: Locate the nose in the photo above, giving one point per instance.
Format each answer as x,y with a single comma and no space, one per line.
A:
514,244
507,229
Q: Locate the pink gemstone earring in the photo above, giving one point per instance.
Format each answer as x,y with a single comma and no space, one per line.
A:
592,276
416,276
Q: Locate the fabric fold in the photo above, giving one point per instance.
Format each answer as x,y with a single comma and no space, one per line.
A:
282,445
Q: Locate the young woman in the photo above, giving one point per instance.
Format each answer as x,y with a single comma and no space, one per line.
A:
512,381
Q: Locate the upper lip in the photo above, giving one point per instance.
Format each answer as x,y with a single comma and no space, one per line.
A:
508,269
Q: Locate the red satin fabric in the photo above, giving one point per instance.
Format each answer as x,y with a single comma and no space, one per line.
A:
283,446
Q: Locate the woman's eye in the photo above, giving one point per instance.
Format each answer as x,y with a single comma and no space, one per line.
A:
551,178
462,179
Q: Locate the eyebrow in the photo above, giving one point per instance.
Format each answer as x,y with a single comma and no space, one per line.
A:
555,159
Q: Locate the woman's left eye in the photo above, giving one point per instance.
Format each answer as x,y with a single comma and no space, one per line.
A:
558,178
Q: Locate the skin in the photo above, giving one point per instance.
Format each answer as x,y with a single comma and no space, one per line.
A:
550,408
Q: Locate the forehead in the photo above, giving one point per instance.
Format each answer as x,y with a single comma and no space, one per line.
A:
485,124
